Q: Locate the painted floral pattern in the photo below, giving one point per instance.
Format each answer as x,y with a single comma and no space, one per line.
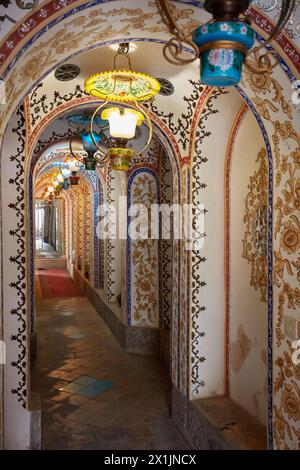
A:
255,221
144,259
222,58
272,105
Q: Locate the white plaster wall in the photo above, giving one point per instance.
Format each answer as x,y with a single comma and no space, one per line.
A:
211,321
248,386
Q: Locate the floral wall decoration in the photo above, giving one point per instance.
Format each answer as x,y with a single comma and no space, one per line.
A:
109,249
41,103
183,327
143,254
165,176
99,244
74,234
87,227
278,114
95,25
255,241
197,260
16,259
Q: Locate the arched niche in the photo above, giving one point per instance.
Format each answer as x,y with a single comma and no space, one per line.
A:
283,141
248,319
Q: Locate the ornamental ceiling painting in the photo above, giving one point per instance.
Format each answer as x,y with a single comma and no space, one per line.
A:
185,162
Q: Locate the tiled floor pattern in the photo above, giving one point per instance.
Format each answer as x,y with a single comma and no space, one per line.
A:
94,395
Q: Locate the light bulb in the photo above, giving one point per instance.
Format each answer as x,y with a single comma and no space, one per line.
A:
50,189
60,178
55,183
122,123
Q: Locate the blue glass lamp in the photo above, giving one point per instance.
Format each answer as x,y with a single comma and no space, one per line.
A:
223,46
90,148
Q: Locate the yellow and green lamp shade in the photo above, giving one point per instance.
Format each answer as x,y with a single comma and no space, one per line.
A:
122,86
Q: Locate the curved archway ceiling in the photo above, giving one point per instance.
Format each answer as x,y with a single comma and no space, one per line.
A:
100,60
15,11
56,153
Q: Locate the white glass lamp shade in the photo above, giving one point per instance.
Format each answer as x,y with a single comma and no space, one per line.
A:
65,172
73,165
122,122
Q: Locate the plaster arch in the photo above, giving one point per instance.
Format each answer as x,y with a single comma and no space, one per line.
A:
93,184
209,262
25,291
37,24
284,141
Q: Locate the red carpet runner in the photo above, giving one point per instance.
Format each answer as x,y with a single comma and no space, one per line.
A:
57,283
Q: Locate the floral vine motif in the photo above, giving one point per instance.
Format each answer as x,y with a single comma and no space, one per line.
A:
42,144
182,129
39,105
290,397
255,241
166,245
267,85
144,257
287,243
197,282
19,260
109,245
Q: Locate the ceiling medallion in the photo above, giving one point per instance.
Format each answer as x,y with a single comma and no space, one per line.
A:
67,72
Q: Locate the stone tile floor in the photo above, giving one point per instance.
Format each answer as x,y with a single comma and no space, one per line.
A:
94,395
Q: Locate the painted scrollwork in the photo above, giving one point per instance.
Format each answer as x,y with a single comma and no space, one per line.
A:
255,241
144,258
273,107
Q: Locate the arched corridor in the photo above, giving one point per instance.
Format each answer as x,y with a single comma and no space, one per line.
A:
94,395
149,230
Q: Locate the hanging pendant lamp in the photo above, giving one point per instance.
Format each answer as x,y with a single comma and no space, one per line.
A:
128,88
92,157
74,167
91,149
225,43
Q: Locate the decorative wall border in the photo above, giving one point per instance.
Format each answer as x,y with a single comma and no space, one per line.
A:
96,241
42,16
132,176
165,171
99,263
197,283
18,232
